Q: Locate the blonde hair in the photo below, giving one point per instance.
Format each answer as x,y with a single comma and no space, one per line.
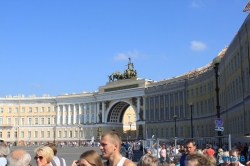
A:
147,160
92,157
46,152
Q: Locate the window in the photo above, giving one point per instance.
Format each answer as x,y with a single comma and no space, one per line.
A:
29,121
65,134
22,134
42,134
1,110
59,134
22,121
16,121
36,109
42,121
54,120
76,134
8,134
15,134
1,121
42,109
23,110
48,120
128,118
187,93
54,109
16,110
201,90
29,134
197,93
70,134
9,110
48,134
35,134
9,120
36,121
30,109
48,109
192,91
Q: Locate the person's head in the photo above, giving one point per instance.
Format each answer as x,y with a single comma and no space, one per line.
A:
4,149
90,158
190,147
198,160
147,151
53,147
163,146
43,155
234,156
147,160
226,158
19,158
110,144
220,150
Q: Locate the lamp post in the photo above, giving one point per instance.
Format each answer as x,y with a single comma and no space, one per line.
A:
130,123
175,117
191,107
54,134
216,62
79,126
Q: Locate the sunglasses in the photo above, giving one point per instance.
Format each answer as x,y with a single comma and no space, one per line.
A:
226,158
233,159
39,157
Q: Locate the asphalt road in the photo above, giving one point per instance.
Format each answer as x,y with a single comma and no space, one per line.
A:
69,153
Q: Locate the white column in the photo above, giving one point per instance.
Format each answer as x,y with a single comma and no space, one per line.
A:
69,115
138,108
95,115
85,112
90,112
63,114
144,108
58,114
98,111
79,110
74,114
103,112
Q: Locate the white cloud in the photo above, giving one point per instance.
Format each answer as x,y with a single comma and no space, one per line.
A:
194,4
197,3
197,46
125,56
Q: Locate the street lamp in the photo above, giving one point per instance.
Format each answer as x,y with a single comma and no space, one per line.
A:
130,123
79,134
175,117
191,107
216,62
54,134
175,144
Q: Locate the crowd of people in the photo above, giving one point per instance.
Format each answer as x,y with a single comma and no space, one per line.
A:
116,153
190,155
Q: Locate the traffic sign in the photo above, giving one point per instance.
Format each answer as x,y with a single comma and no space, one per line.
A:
217,128
219,122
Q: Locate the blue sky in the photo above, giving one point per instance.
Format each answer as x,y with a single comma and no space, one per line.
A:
55,47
